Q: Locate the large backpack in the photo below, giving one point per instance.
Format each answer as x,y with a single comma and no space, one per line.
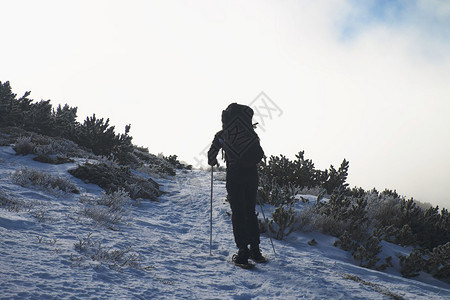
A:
240,141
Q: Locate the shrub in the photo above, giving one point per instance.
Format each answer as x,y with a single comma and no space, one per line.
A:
112,177
302,173
93,250
38,117
13,204
173,160
283,223
108,210
152,164
64,122
24,146
45,146
346,243
12,110
100,137
283,171
438,263
342,213
367,253
30,177
273,193
97,135
57,160
335,180
115,200
411,266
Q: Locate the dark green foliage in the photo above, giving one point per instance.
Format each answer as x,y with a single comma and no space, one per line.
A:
100,137
112,178
95,134
345,242
302,174
54,160
12,110
434,229
333,180
413,264
22,112
438,263
404,236
123,148
367,253
64,122
386,264
7,101
38,117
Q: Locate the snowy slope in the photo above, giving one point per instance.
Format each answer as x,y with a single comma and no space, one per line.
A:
49,251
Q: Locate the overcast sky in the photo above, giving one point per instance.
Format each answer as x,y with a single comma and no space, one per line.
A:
368,81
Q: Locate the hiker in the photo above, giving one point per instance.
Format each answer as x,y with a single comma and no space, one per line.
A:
242,153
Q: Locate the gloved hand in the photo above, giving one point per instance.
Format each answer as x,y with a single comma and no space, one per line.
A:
212,161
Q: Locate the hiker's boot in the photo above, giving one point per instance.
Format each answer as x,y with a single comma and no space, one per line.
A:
242,256
256,256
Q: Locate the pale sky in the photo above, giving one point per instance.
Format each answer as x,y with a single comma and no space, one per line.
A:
368,81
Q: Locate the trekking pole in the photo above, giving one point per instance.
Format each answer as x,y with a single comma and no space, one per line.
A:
210,219
267,224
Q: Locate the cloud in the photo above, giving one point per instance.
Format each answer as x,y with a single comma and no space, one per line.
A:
425,23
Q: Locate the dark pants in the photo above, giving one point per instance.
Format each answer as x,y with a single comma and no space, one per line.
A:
242,186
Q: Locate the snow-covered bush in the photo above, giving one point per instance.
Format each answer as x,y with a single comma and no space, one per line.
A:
115,200
45,147
27,177
271,192
283,221
13,204
151,164
108,210
343,213
93,251
104,215
24,146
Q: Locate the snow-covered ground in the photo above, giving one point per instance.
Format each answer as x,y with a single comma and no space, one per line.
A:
48,250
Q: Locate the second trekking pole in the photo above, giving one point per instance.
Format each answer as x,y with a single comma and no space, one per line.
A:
210,218
267,224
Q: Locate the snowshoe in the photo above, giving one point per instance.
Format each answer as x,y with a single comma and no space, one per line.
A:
256,256
241,259
244,265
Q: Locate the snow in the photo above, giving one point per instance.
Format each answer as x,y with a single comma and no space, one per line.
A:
167,244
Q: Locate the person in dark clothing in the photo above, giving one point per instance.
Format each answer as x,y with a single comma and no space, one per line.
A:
242,186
